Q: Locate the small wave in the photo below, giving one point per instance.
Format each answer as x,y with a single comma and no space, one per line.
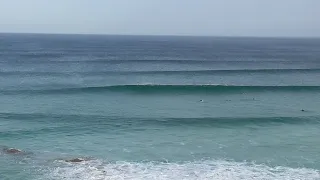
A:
169,89
204,170
78,124
41,55
160,72
59,57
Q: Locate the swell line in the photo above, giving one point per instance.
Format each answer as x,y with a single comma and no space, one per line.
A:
163,89
35,60
173,72
64,123
125,121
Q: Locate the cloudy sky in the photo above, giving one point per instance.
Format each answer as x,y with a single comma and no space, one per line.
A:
163,17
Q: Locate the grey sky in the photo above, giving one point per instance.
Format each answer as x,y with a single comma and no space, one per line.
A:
163,17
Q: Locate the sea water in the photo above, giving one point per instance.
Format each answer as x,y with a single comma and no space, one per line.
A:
159,107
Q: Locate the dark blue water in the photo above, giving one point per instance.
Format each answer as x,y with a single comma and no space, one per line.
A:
147,107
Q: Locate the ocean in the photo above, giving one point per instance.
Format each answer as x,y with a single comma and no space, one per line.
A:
159,107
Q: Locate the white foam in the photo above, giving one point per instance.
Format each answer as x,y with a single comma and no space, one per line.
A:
204,170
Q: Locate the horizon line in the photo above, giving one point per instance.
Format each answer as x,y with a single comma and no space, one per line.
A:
166,35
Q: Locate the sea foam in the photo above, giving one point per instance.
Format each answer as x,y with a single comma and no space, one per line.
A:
204,170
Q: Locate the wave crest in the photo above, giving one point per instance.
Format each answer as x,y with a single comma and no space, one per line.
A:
166,88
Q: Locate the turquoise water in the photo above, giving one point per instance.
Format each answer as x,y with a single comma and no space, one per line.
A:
159,107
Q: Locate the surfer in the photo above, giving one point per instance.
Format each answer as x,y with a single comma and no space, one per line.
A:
201,100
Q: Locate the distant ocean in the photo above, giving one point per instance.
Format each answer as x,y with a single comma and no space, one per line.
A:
159,108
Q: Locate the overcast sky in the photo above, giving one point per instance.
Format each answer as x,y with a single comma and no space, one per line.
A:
163,17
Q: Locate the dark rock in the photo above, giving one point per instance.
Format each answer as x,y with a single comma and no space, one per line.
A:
12,151
75,160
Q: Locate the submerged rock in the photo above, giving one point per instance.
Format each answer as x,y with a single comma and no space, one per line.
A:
75,160
12,151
